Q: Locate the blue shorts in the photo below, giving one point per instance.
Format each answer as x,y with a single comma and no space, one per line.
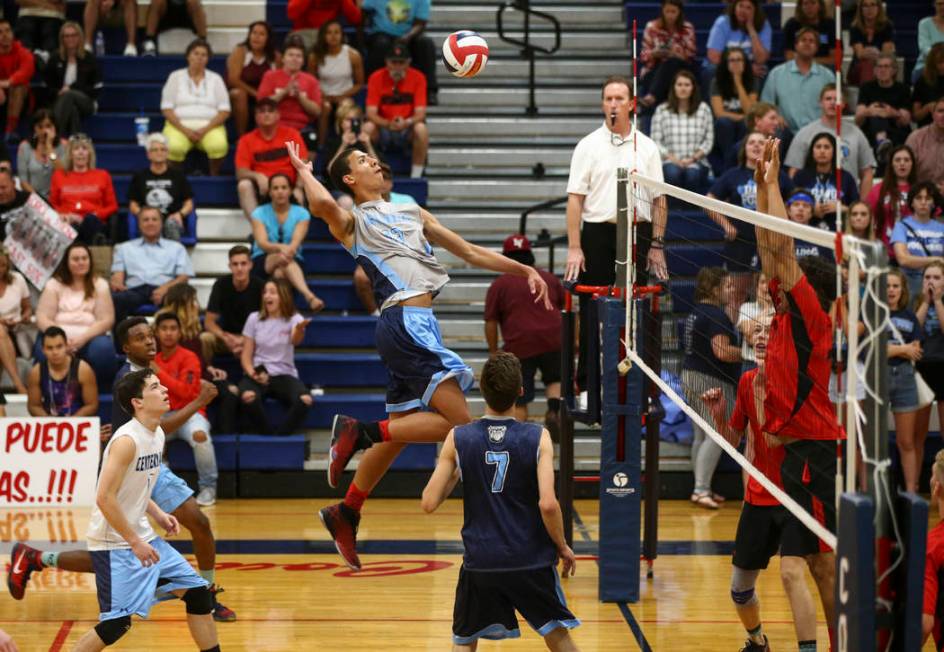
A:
170,492
125,587
411,346
902,387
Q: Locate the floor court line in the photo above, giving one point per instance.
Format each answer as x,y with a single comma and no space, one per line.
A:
61,635
634,627
581,527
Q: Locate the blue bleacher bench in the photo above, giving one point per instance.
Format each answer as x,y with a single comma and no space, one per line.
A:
272,453
180,455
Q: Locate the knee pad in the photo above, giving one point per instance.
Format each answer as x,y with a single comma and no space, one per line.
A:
112,630
199,601
742,586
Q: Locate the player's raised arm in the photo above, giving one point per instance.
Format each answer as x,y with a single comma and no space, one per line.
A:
444,478
777,255
718,407
550,508
320,202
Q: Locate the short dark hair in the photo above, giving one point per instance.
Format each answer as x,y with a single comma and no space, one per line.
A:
149,209
341,167
501,381
131,386
821,275
804,29
125,325
54,331
930,188
239,250
293,42
617,79
166,316
198,43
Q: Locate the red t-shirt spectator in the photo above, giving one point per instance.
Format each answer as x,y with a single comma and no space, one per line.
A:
528,329
83,193
290,109
767,460
180,374
312,14
269,157
17,65
394,99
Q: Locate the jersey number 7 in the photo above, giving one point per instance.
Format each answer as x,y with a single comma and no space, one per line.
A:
500,460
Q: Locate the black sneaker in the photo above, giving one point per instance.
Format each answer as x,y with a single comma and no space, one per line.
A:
341,522
750,646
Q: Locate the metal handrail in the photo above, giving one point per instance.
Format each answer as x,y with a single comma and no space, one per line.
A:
544,238
529,48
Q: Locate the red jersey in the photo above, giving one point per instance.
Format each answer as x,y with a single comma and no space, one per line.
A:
180,373
797,404
17,65
767,460
291,113
312,14
933,570
394,99
269,157
527,328
83,193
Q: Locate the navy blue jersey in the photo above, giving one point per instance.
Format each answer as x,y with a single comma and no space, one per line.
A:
503,528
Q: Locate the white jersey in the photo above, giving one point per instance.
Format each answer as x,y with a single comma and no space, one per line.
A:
135,489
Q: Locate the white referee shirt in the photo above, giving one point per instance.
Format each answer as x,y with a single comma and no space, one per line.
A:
593,172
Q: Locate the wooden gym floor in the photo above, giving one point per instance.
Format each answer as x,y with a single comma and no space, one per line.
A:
290,591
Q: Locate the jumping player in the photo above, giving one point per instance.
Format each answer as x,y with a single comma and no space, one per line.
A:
392,244
797,409
761,527
170,492
130,560
513,531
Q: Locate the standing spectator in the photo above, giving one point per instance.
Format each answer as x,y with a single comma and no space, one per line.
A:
819,177
339,69
733,94
750,314
528,330
268,360
927,143
245,66
167,14
308,16
144,269
930,313
888,200
16,70
15,312
930,86
930,32
403,22
857,155
233,298
73,75
883,111
261,153
179,371
742,25
112,11
871,34
61,385
668,45
396,108
79,303
794,86
918,239
38,23
195,105
682,130
296,92
43,152
810,13
83,194
278,229
162,187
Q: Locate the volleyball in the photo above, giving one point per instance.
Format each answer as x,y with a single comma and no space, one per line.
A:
465,53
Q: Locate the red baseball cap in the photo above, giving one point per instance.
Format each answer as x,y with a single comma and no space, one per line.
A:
516,242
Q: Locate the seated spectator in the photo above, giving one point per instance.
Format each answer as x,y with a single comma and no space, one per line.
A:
810,13
10,198
38,23
799,205
682,130
73,76
162,187
144,269
339,69
930,32
296,92
180,372
16,70
871,34
279,229
766,119
742,25
818,176
349,131
268,360
929,309
40,155
749,315
860,224
399,124
930,86
308,16
927,143
262,153
918,239
83,194
884,108
79,303
857,155
233,298
61,385
245,67
112,12
795,86
195,105
403,22
668,45
168,14
733,93
888,201
15,315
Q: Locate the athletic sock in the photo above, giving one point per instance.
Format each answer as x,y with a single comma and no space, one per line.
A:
355,497
416,171
757,635
49,559
208,575
807,646
377,431
215,648
553,405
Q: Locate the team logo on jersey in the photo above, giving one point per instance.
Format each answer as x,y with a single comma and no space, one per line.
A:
620,486
496,434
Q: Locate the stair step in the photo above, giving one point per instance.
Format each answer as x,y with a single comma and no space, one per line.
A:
605,41
475,16
471,98
556,68
502,129
489,157
526,190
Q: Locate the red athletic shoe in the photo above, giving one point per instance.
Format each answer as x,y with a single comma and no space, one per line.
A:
23,561
341,522
221,613
346,439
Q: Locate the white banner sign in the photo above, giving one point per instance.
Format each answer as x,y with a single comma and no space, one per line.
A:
48,461
36,239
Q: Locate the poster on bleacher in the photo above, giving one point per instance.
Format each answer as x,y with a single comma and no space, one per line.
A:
36,239
48,461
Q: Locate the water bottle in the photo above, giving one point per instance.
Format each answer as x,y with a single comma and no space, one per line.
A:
99,44
142,125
